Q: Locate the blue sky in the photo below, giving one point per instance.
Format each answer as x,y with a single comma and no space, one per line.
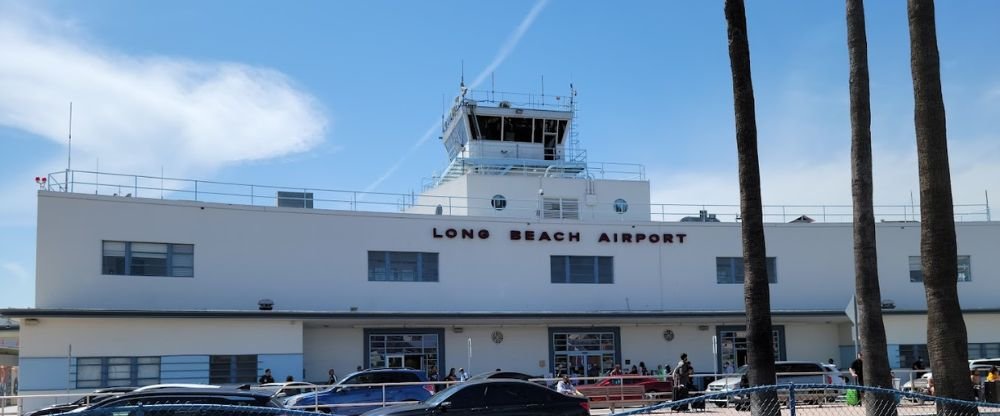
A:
338,94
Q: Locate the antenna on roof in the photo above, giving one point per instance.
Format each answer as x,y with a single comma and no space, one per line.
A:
69,148
462,84
543,89
493,86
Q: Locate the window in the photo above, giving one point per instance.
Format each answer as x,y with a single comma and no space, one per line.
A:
964,269
498,202
729,270
986,350
621,206
147,259
229,369
908,353
99,372
561,208
583,269
402,266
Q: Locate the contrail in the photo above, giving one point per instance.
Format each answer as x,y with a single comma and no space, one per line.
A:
505,50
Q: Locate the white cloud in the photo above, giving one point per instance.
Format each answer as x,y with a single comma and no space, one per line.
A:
137,113
14,271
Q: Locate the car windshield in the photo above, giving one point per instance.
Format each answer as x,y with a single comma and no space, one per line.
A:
743,370
442,396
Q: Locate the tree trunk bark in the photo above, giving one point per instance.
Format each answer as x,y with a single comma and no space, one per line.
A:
868,294
947,340
756,293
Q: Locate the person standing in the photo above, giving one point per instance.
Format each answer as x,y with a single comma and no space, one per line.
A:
917,367
452,377
333,377
266,378
462,375
727,368
857,372
643,371
682,380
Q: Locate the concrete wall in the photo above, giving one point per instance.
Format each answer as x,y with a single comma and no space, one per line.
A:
316,260
338,348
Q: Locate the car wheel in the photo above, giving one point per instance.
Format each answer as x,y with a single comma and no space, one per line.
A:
721,404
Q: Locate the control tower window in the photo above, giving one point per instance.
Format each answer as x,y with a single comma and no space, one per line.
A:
517,129
489,128
562,130
621,206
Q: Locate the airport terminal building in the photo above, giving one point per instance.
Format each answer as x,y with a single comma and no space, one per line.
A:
522,255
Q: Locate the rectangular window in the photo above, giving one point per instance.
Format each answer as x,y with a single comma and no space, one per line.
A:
99,372
583,269
561,208
231,369
729,270
402,266
964,269
147,259
908,353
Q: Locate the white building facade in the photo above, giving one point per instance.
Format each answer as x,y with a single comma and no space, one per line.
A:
517,257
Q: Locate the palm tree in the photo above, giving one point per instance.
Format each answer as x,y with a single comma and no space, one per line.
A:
867,292
756,293
947,340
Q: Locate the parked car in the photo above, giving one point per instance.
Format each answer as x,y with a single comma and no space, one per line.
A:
786,372
288,388
360,387
502,374
87,400
223,396
600,391
493,397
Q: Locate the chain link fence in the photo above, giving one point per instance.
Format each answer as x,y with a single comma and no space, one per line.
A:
820,400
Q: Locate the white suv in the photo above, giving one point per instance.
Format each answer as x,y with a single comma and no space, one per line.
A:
798,372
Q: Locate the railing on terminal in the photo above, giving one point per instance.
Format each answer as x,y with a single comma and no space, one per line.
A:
828,399
167,188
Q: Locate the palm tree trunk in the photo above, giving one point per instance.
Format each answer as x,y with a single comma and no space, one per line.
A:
866,285
947,340
756,293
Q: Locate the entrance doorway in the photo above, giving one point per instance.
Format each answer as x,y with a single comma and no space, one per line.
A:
409,348
732,345
590,353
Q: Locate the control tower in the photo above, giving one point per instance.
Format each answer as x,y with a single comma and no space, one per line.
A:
517,155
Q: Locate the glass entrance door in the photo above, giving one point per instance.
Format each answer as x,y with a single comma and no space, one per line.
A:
733,345
584,354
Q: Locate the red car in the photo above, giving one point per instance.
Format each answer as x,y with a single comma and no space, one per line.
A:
624,388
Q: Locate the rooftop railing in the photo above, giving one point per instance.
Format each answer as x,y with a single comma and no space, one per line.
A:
140,186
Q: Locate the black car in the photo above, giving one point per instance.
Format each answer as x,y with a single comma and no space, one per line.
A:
493,397
231,397
89,399
502,374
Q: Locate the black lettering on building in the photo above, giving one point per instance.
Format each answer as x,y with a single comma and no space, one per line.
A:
558,236
529,235
467,233
626,237
435,233
515,235
680,238
602,239
654,238
484,234
544,236
574,236
639,237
